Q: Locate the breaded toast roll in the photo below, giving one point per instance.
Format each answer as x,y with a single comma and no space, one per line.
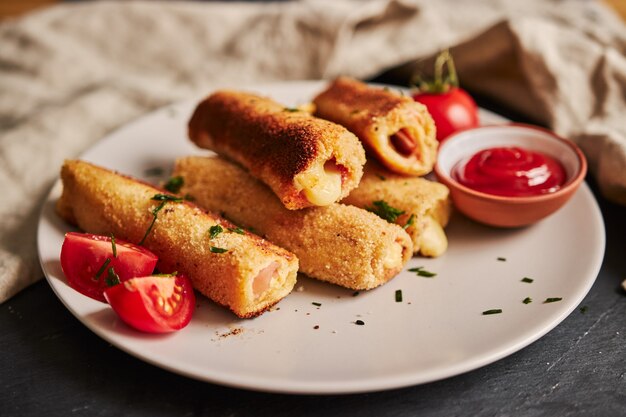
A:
397,130
421,206
340,244
243,272
306,161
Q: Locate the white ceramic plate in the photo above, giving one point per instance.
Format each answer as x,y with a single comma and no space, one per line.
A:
437,331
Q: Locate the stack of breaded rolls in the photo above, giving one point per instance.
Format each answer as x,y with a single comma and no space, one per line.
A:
297,183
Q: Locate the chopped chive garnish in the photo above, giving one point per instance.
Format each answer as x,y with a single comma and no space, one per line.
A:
291,109
102,269
409,222
214,249
317,304
527,300
113,246
398,296
422,273
528,280
163,198
112,278
153,172
501,259
493,311
174,184
552,300
215,230
584,309
166,197
237,230
385,211
354,294
382,177
359,322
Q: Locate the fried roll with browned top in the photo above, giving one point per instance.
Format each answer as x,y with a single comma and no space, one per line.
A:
340,244
306,161
243,272
398,131
421,206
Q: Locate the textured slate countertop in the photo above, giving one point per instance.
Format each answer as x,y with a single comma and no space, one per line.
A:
52,365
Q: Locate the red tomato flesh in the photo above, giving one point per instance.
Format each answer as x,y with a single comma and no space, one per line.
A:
153,304
83,256
452,111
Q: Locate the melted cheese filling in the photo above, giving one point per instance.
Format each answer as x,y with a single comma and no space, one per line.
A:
393,257
321,184
433,240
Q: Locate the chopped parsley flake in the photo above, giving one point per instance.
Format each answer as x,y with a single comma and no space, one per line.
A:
527,300
422,273
552,300
214,249
492,311
166,197
398,296
237,230
359,323
527,280
214,231
385,211
174,184
501,259
291,109
317,304
354,294
584,309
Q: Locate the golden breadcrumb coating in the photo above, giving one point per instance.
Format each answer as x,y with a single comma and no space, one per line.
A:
375,115
426,203
100,201
277,145
340,244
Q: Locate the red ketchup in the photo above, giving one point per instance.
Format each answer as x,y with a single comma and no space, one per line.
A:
511,172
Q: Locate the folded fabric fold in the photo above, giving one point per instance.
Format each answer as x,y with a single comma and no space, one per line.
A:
71,73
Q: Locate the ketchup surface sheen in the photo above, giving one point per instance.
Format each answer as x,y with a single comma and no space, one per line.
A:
511,172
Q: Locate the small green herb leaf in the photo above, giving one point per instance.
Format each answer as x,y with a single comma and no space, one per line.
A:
102,269
493,311
359,323
422,273
317,304
385,211
398,296
174,184
291,109
214,231
552,300
584,309
237,230
113,246
112,278
527,280
214,249
167,197
501,259
527,300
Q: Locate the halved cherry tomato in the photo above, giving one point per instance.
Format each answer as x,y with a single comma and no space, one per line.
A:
154,304
84,262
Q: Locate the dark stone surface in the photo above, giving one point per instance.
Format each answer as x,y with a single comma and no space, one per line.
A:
52,365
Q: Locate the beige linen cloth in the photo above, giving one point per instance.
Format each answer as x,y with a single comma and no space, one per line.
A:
72,73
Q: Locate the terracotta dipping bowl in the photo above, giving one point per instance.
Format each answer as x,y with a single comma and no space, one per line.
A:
502,211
